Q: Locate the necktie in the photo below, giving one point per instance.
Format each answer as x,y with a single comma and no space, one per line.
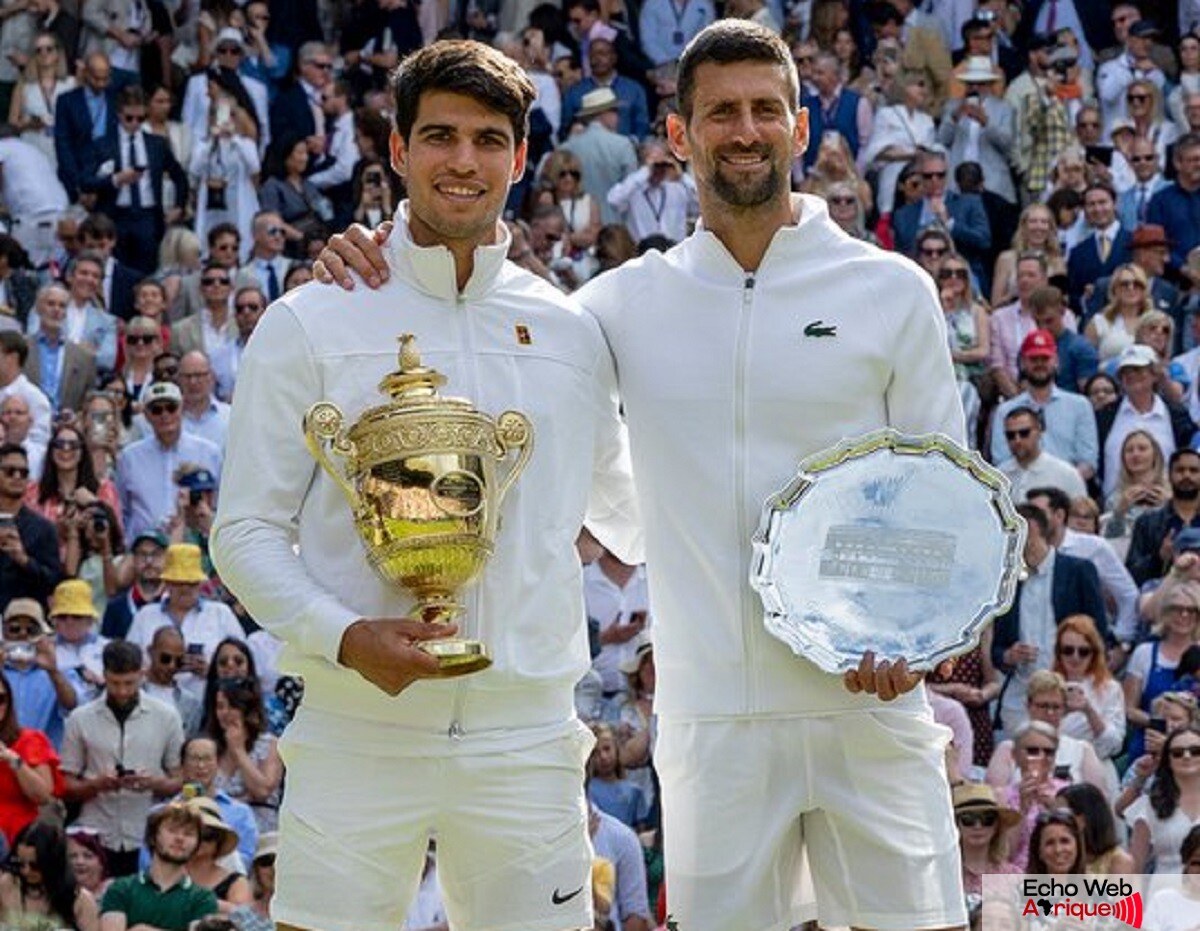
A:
272,282
135,189
1141,203
1103,246
1052,16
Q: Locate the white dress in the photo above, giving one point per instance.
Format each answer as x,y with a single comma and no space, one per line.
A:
34,102
896,126
1165,835
236,160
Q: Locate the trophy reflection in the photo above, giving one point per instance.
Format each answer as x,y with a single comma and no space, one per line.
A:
421,475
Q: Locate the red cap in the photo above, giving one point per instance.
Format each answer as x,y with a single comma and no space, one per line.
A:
1039,343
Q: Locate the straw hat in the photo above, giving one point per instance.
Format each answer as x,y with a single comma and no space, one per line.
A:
183,564
979,796
73,598
211,820
268,845
597,101
979,70
632,663
30,608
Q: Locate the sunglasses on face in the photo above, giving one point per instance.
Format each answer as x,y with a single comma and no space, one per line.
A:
1040,751
133,117
214,279
45,49
167,373
947,273
1021,433
170,659
976,819
139,339
1138,98
932,175
159,409
229,50
14,471
570,173
247,308
1081,652
842,201
1087,124
1178,753
1140,159
274,230
933,253
1187,610
322,65
66,445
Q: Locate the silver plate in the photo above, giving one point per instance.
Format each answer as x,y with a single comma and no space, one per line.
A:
905,545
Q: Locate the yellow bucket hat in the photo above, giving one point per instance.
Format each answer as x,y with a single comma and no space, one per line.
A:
183,564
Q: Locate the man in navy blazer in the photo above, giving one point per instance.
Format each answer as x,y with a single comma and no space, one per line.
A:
125,173
1023,643
293,112
1087,262
963,216
82,118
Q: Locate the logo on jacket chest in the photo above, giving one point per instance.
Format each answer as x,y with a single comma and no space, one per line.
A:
819,328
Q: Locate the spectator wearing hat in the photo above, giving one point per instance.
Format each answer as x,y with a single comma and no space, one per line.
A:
165,655
203,415
1077,358
29,776
633,117
1158,533
257,915
230,53
145,585
1141,407
1010,324
1069,421
1150,251
163,895
605,156
217,840
1114,77
983,826
922,48
42,694
204,623
29,558
146,469
978,126
981,40
78,647
194,514
119,751
1028,465
636,726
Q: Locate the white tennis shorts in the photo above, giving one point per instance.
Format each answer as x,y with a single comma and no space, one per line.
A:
511,829
863,794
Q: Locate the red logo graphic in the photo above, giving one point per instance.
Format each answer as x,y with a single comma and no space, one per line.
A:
1129,910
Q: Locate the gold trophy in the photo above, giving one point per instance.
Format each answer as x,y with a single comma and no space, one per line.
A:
420,474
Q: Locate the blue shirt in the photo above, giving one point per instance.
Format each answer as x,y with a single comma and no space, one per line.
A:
666,26
36,701
49,363
1178,212
620,798
146,482
1077,361
1070,427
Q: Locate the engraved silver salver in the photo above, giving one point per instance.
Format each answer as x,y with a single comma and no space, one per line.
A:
905,545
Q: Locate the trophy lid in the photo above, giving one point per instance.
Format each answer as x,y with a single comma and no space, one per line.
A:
411,380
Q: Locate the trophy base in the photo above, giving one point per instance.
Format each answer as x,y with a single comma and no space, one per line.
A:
457,657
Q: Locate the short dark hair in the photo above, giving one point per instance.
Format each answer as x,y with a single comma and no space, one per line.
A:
1058,499
1171,460
1026,410
98,226
1100,186
13,449
1045,296
121,657
13,341
726,42
1033,515
222,229
131,95
95,258
464,67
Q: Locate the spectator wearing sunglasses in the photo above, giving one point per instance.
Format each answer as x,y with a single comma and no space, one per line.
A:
29,561
983,826
1095,703
166,652
267,266
1160,820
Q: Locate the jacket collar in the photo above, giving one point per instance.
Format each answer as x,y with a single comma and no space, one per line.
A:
810,225
431,268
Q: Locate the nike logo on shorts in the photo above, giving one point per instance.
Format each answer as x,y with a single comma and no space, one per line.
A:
558,898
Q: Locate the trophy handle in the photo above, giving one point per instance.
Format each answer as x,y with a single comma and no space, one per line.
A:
513,431
322,428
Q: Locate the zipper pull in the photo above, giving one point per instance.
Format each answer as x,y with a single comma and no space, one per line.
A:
456,731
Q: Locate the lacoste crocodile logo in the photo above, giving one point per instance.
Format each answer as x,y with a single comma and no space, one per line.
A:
819,328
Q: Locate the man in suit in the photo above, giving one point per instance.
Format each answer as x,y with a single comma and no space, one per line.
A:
1056,587
297,110
65,371
1103,246
83,117
1150,548
835,108
267,266
606,156
1133,204
961,215
125,172
98,233
224,247
1150,249
979,127
215,318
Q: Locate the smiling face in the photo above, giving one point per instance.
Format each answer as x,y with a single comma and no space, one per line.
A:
458,164
1138,454
742,135
1058,848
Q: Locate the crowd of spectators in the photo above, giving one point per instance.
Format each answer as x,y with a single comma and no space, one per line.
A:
167,169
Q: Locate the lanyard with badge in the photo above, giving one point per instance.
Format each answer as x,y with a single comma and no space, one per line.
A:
679,13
